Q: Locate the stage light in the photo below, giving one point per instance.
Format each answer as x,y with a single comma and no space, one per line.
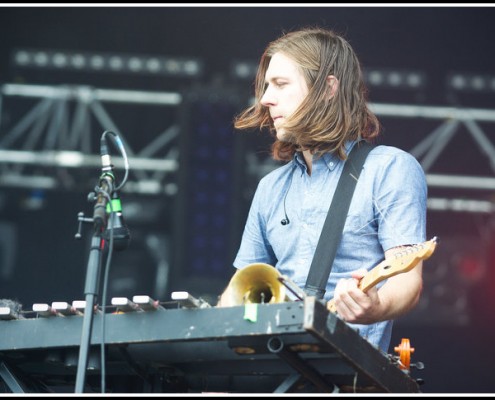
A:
243,69
470,82
471,268
107,62
395,79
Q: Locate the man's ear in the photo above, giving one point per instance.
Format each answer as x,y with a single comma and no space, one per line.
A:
333,84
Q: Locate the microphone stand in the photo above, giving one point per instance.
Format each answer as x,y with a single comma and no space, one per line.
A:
104,193
91,284
90,291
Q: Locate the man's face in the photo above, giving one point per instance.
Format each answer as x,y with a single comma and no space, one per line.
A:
285,90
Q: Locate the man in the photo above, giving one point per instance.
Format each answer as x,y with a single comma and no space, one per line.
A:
309,92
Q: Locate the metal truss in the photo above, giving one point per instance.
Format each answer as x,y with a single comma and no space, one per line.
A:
68,143
428,150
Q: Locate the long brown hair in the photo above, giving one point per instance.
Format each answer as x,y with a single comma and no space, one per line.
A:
321,124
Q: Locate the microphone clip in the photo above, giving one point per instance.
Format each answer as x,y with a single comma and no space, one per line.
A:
116,226
102,193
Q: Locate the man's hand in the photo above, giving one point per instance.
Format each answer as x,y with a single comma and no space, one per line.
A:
352,304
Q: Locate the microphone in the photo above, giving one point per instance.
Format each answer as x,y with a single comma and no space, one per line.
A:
109,214
105,187
285,221
121,234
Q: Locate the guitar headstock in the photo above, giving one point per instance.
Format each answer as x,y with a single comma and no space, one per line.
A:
408,258
403,261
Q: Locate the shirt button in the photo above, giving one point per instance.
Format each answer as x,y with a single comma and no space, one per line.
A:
331,163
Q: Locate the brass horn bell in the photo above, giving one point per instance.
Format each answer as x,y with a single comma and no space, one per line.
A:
256,283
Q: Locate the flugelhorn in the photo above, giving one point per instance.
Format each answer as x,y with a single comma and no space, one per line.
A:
256,283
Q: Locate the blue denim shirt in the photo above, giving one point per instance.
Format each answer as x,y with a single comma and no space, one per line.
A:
388,209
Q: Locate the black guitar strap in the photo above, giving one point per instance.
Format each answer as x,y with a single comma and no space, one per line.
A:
334,222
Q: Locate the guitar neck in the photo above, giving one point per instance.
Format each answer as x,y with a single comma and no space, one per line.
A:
378,274
393,266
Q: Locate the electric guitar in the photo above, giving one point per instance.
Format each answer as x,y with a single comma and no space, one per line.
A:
403,261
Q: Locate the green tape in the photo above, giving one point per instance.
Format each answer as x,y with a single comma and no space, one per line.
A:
251,312
116,205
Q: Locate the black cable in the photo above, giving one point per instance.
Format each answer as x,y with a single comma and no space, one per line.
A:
286,220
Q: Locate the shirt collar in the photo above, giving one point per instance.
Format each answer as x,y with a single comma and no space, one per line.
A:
331,159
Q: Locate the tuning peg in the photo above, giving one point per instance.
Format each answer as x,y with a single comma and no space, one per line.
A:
418,365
